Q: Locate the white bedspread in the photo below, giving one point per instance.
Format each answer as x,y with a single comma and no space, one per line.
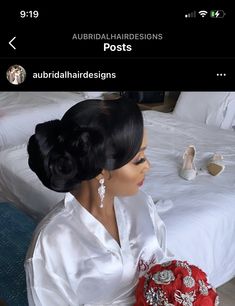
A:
200,220
21,111
201,223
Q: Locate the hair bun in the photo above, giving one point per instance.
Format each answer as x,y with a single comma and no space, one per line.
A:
67,147
47,137
48,134
63,168
84,140
91,136
78,155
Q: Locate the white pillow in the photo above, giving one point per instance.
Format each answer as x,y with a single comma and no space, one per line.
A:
93,94
205,107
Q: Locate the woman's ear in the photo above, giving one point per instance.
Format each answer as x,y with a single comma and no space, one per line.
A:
105,174
101,175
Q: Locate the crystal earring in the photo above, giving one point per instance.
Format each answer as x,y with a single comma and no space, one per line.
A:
101,192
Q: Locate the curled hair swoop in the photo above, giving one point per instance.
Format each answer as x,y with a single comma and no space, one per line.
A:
92,135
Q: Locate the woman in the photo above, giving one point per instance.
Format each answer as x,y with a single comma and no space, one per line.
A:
92,248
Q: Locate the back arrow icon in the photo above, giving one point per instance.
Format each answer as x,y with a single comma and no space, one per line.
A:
10,43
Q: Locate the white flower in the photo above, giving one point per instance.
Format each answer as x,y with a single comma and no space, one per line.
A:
163,277
186,299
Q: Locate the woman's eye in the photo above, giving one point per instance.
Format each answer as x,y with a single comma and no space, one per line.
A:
140,161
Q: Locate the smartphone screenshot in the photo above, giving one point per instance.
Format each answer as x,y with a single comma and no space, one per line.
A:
117,156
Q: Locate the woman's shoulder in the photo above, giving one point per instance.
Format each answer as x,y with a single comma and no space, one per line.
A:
48,230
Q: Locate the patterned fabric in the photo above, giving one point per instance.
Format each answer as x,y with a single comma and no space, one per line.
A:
16,230
175,283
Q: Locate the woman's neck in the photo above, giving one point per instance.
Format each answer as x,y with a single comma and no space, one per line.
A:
87,195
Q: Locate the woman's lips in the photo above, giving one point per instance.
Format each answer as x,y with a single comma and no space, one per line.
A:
141,183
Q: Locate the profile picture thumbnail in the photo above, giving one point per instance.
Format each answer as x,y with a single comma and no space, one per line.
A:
16,74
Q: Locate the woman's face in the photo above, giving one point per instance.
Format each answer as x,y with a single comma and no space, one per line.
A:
127,180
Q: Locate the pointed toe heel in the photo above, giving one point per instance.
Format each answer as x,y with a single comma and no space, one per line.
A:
188,170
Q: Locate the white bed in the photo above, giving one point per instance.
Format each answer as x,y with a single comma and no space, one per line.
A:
200,220
21,111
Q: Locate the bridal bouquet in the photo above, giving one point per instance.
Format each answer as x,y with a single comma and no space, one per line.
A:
175,283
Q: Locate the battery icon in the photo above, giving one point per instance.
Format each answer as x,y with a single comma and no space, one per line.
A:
217,14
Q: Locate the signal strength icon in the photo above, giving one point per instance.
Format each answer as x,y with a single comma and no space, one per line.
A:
202,13
191,15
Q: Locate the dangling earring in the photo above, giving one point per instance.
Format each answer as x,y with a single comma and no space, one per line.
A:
101,192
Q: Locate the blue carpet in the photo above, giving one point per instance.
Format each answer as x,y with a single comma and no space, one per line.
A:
16,230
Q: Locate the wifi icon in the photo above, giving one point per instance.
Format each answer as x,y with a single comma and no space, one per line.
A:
202,13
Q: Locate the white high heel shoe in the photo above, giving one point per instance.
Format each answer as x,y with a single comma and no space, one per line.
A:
188,170
215,165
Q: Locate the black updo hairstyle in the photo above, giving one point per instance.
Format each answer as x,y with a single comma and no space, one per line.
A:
91,136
